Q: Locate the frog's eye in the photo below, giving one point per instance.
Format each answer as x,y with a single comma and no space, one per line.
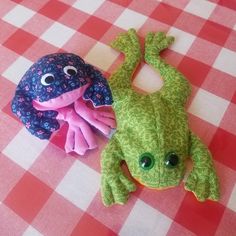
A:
70,70
47,79
171,160
146,161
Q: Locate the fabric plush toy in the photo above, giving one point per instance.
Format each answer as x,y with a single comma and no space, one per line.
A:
55,88
153,135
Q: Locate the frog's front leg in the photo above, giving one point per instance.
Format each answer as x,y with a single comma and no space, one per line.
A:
202,181
128,43
176,88
115,186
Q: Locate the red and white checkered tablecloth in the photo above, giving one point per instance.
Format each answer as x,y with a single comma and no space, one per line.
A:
43,190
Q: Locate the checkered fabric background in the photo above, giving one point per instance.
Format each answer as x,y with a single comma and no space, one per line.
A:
44,191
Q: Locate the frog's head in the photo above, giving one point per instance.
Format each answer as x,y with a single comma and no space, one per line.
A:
58,79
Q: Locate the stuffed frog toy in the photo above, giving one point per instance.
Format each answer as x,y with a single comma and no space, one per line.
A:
153,136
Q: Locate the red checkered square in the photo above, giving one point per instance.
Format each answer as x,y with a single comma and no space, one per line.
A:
104,11
189,23
25,202
106,215
10,222
177,229
6,7
57,217
203,129
166,13
39,49
200,47
189,67
24,41
234,98
96,32
138,6
220,83
227,122
7,32
200,218
231,42
9,128
34,5
228,3
79,44
68,18
89,226
7,90
124,3
54,9
166,201
8,181
221,147
227,180
179,4
215,33
33,27
55,164
227,224
7,57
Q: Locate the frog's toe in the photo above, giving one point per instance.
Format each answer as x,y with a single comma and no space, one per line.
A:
129,185
107,196
149,38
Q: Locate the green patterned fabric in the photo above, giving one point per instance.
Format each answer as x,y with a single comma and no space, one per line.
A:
153,135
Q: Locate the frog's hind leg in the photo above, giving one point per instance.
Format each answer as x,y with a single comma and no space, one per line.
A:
176,88
128,43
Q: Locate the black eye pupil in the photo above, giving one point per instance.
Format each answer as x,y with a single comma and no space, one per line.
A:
171,160
49,79
146,161
71,72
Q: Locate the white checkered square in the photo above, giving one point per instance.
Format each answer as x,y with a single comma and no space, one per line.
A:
183,40
200,8
145,220
130,19
225,61
208,107
88,6
232,200
103,62
24,148
57,34
79,185
148,79
30,231
18,16
17,69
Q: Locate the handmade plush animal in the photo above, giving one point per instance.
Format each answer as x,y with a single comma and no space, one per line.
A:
153,135
55,88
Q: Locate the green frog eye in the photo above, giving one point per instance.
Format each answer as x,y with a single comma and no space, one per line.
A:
171,160
146,161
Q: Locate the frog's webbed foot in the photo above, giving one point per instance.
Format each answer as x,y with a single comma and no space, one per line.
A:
155,43
115,189
204,184
128,43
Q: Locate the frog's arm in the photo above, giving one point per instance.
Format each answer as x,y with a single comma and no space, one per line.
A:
176,88
127,43
202,181
115,186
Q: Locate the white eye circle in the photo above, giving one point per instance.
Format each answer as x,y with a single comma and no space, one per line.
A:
70,70
47,79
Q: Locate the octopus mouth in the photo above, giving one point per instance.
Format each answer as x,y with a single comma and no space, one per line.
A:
61,101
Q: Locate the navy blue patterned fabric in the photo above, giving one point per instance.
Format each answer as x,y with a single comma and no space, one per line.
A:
50,77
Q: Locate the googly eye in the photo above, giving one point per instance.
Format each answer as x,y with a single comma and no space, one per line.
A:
146,161
70,70
47,79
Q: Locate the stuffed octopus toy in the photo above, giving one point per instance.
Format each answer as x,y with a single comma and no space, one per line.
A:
153,137
56,88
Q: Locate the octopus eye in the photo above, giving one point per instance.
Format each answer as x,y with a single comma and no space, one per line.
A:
146,161
171,160
70,70
47,79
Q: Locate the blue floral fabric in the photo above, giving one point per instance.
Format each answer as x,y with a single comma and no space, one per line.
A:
50,77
